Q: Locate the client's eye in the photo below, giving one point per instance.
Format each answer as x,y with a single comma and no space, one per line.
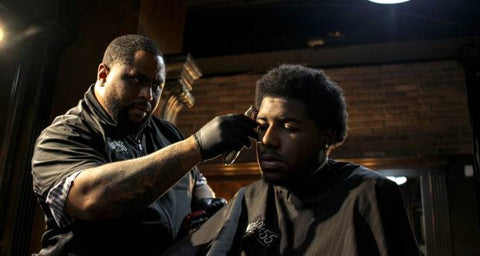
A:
290,128
262,127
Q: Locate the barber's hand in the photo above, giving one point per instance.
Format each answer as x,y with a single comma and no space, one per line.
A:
209,204
225,133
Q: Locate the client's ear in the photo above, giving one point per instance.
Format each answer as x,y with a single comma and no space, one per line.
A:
327,138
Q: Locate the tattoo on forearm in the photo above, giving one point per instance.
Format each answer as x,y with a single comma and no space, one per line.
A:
129,192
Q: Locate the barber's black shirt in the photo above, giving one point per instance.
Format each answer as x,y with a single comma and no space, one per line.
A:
86,137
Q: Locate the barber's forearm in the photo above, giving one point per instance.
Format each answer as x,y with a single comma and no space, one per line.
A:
119,188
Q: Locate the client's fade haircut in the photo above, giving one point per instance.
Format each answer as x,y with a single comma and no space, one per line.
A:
122,49
323,99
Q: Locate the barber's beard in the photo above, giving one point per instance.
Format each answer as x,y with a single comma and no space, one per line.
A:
120,115
125,123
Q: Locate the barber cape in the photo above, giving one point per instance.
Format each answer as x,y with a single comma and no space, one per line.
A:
351,211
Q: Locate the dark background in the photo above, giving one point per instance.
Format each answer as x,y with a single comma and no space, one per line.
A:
52,48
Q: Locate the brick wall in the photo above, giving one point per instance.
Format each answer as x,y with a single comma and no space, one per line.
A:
395,110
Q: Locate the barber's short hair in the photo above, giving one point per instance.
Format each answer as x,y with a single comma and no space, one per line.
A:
323,99
122,49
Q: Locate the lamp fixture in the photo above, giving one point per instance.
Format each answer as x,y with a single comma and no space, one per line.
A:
388,1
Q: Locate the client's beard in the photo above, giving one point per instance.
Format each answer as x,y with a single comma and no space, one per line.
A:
322,160
308,175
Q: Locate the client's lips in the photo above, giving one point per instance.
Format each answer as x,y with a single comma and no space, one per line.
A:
270,161
142,107
270,157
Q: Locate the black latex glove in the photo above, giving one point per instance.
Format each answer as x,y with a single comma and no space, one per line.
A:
209,204
202,210
225,133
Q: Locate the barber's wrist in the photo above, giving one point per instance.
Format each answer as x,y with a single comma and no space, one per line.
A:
196,149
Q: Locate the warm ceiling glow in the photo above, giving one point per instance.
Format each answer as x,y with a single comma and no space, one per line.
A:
1,34
398,179
316,42
388,1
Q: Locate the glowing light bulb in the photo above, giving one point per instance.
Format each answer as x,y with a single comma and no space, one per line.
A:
1,34
388,1
398,179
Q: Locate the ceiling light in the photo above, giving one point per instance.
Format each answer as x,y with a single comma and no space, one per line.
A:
388,1
1,34
398,179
